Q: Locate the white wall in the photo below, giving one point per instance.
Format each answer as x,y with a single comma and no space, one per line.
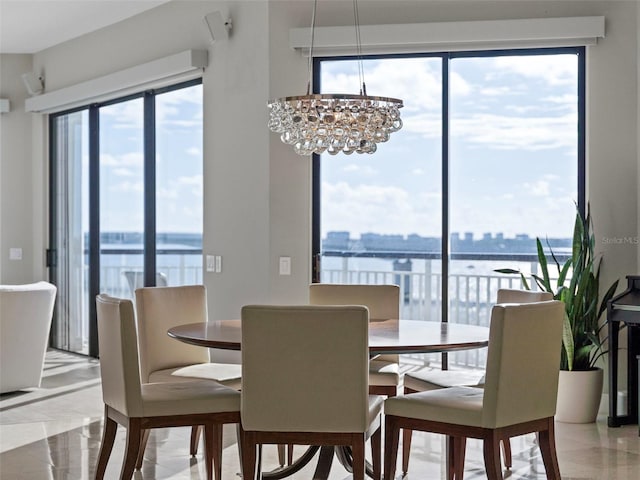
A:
257,191
23,184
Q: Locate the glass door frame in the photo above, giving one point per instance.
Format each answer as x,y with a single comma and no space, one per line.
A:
149,153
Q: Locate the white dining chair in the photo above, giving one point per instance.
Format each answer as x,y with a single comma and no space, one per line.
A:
288,394
164,359
429,378
519,394
140,406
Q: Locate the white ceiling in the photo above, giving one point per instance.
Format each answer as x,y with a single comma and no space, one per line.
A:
29,26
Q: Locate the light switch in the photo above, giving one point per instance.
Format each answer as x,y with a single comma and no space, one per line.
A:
218,263
285,265
211,263
15,253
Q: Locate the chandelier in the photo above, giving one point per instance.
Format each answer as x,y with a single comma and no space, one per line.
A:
333,123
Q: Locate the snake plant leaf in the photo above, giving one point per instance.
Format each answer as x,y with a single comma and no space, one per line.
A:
567,341
511,271
542,259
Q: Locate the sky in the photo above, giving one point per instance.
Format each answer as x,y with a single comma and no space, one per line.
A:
513,149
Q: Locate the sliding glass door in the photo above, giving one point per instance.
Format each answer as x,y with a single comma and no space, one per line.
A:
126,203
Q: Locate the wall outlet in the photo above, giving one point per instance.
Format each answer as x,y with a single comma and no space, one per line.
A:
15,253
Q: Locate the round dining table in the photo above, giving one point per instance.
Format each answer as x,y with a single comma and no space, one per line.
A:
390,336
385,336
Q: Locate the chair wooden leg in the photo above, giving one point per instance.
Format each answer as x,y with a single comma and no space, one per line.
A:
290,454
196,430
108,437
491,449
391,441
248,455
376,454
406,443
143,447
209,449
134,435
217,451
506,452
406,449
358,458
281,454
451,458
455,457
547,441
458,464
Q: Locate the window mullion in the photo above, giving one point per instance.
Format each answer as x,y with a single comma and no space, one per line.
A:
150,189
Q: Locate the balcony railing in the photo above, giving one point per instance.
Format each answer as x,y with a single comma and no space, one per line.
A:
472,284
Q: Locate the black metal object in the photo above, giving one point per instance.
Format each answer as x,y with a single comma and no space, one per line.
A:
624,308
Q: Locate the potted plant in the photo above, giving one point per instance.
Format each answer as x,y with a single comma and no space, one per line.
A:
578,286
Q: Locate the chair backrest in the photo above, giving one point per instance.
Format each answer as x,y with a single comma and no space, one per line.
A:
523,362
383,301
135,280
118,346
25,320
509,295
289,383
157,310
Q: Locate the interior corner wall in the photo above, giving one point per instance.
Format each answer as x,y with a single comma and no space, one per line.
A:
21,180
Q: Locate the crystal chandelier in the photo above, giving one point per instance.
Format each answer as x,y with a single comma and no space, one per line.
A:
333,123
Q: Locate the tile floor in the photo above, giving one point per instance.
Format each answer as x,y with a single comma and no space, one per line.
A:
54,433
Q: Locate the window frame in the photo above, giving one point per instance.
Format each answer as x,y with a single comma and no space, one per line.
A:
580,51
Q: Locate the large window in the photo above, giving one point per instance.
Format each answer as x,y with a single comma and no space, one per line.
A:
490,157
126,203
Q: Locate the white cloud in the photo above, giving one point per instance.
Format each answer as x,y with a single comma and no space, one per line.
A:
132,159
511,133
122,172
360,169
553,69
381,209
127,187
539,188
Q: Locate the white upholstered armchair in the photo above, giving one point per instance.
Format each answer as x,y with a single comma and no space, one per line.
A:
25,321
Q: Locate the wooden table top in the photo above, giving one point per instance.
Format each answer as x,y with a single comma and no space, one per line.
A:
385,336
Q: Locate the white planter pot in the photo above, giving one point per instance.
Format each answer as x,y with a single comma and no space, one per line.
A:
579,395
